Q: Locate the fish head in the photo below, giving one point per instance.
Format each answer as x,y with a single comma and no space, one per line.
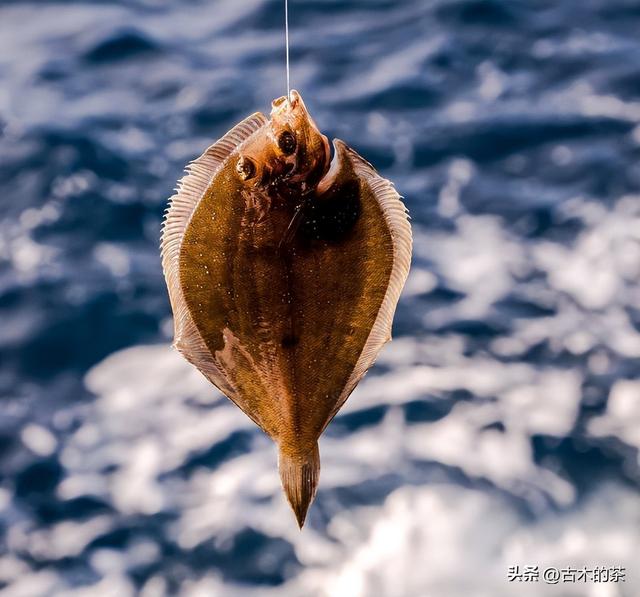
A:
289,156
300,149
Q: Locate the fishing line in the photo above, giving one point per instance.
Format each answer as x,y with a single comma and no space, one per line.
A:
286,37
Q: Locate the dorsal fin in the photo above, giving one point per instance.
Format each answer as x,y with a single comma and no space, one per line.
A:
397,219
191,188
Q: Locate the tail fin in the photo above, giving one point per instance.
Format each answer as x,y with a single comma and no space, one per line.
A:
299,475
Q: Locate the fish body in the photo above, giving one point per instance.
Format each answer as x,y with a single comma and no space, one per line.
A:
284,268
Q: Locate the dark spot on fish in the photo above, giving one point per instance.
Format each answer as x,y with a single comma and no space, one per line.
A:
332,217
290,340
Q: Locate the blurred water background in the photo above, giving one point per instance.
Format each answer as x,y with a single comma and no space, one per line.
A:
502,425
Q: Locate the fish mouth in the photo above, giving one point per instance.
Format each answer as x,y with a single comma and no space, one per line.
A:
287,106
292,109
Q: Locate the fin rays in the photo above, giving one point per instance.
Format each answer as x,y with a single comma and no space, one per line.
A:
299,475
396,217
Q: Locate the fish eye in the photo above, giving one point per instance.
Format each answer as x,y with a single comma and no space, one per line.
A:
246,168
287,143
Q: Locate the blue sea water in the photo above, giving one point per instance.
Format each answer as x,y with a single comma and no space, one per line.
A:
499,428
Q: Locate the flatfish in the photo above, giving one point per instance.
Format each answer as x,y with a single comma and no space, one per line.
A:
284,267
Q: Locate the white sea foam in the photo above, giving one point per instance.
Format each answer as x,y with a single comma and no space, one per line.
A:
622,417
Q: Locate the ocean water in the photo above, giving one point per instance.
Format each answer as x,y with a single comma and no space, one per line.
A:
501,427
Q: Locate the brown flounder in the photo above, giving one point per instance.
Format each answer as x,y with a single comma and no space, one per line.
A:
284,269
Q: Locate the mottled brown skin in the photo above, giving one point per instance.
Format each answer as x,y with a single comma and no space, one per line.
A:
284,266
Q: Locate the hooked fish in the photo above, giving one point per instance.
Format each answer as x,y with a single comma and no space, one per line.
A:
284,267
